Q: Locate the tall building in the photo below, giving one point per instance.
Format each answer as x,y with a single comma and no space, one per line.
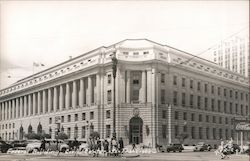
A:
233,54
160,93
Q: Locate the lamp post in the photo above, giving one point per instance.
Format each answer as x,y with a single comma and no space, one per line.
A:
114,67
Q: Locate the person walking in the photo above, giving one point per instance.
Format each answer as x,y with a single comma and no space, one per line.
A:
42,148
75,145
121,145
106,147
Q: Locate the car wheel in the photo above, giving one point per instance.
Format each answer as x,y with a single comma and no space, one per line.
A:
174,151
63,150
180,151
168,150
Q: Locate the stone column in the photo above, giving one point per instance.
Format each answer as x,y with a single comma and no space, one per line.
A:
39,103
81,92
89,90
17,108
21,106
30,105
74,95
149,86
67,105
49,101
1,112
153,83
55,99
34,103
25,106
9,109
61,102
44,104
128,86
143,87
98,89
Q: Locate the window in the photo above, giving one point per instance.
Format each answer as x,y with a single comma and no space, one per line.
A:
220,133
76,117
109,78
236,95
226,133
231,93
125,53
200,132
91,115
225,92
198,86
83,116
214,119
246,97
164,114
247,110
164,131
220,120
212,104
183,99
193,132
175,80
184,116
108,131
135,53
107,114
200,117
207,118
176,115
206,103
231,107
207,133
83,131
212,89
162,78
225,107
68,131
206,88
109,96
236,108
183,82
199,102
62,119
241,110
162,96
176,130
185,128
226,120
218,91
191,84
192,117
219,106
175,98
191,100
241,96
145,52
214,133
50,120
69,118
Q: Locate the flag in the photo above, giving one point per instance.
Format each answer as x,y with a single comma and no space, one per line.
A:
38,64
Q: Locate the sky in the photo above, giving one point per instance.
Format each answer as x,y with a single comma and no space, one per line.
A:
49,32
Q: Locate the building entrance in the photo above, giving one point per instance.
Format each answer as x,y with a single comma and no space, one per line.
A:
135,130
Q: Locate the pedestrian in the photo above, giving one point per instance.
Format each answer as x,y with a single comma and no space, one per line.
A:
106,147
121,146
42,148
133,147
75,145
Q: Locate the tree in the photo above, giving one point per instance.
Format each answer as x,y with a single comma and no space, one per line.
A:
94,134
37,136
181,137
62,136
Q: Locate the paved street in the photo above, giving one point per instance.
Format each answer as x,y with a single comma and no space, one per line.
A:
185,156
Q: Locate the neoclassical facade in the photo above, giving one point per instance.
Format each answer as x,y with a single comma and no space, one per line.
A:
161,92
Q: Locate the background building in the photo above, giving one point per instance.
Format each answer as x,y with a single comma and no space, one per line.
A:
233,54
161,93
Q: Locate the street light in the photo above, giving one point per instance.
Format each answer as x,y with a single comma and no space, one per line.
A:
114,67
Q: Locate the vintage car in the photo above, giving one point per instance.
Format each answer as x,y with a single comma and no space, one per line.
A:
201,146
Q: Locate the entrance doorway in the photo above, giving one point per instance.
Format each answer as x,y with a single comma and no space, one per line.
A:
135,130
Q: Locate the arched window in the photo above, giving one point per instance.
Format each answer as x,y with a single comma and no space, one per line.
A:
39,128
21,133
30,129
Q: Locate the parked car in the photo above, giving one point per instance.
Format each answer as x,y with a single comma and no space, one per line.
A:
201,146
4,147
53,145
173,147
19,144
235,148
83,146
33,145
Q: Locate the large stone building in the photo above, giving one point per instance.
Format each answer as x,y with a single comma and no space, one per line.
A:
233,54
161,92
